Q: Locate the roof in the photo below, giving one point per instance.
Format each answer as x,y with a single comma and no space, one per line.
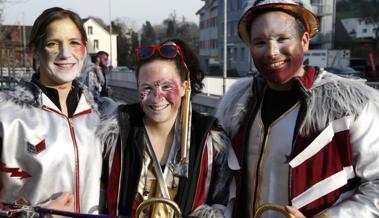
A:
100,22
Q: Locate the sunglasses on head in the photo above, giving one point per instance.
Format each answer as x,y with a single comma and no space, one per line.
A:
168,51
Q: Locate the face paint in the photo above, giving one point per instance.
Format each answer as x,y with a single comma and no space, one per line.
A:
104,60
160,90
62,55
276,49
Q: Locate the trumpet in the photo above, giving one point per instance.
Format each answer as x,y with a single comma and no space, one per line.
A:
274,207
172,204
185,120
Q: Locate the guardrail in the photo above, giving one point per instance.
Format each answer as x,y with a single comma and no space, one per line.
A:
17,73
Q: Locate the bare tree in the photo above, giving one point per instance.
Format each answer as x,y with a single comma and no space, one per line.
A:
127,42
148,36
188,31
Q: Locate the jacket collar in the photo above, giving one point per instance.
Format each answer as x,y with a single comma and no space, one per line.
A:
29,94
308,78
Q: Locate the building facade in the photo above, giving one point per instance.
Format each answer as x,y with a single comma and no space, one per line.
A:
14,52
239,62
359,28
209,35
325,11
99,39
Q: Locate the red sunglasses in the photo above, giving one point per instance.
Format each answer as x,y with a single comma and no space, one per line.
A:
168,51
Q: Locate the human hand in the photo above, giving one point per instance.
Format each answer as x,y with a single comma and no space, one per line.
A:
64,202
294,212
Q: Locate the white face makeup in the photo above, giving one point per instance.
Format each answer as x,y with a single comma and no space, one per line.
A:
160,90
276,47
62,54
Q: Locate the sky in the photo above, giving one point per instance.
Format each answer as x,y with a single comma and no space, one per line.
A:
134,12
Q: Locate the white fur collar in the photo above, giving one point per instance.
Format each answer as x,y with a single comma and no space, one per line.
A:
330,98
231,110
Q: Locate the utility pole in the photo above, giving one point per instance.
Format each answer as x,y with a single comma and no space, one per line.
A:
225,46
23,39
110,33
333,24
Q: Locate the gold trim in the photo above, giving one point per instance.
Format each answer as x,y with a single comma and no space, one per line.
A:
172,204
262,154
322,215
258,161
274,207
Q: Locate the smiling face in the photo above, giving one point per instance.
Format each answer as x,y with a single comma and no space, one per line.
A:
160,89
62,54
277,49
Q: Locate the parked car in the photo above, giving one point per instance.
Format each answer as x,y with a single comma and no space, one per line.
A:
7,82
360,64
346,72
122,69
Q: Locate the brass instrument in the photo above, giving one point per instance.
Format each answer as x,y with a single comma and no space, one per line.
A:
185,119
152,201
275,207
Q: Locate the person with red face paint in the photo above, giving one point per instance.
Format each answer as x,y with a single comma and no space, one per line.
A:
165,149
101,62
303,136
50,154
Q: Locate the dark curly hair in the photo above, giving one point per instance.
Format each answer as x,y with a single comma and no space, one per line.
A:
191,60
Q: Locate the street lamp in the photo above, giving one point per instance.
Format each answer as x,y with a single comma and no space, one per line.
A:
110,33
225,47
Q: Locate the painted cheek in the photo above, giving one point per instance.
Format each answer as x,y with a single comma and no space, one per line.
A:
80,51
173,94
142,96
286,73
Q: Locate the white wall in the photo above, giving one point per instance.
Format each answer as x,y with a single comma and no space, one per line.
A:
102,35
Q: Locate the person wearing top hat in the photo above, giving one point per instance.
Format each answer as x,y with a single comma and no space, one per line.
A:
304,137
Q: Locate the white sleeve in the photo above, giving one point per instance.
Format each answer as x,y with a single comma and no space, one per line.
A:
364,138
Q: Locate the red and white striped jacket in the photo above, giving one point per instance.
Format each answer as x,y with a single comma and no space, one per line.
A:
333,166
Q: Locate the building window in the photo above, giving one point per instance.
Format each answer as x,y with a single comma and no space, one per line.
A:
364,30
95,43
222,29
229,29
89,30
242,54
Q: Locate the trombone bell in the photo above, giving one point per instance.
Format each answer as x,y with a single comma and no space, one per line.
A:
152,201
274,207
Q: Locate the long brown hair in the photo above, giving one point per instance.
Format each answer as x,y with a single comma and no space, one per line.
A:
38,32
